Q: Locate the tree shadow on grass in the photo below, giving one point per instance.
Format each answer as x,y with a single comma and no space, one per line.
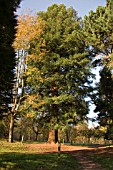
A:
13,161
48,161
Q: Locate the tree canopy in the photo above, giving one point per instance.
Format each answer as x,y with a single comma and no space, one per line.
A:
60,74
98,27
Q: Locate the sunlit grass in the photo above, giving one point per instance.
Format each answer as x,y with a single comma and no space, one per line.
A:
12,147
16,156
19,161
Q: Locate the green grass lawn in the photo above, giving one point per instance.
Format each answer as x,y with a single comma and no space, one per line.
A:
18,156
15,157
20,161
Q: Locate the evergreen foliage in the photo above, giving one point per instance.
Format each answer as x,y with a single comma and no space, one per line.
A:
98,27
7,55
60,68
104,100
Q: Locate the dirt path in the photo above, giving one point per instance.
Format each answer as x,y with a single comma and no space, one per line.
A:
83,157
81,154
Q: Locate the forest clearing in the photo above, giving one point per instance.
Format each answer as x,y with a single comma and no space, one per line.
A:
44,156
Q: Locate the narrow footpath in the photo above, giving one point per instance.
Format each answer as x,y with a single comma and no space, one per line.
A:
83,157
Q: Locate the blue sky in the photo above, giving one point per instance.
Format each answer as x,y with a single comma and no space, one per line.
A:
81,6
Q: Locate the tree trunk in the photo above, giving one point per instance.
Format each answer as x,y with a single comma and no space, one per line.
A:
11,128
53,136
36,136
56,136
89,139
67,135
20,136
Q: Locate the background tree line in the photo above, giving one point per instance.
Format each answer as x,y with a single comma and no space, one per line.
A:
51,83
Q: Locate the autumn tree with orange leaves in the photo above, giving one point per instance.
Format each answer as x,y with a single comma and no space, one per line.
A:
28,27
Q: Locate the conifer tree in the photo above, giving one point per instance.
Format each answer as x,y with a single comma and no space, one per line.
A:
98,27
104,100
60,74
8,23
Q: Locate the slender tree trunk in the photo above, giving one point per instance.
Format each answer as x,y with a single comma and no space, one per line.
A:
20,136
89,139
67,135
56,136
11,128
36,136
16,101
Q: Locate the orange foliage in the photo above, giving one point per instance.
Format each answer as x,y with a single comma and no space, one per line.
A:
28,27
31,103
